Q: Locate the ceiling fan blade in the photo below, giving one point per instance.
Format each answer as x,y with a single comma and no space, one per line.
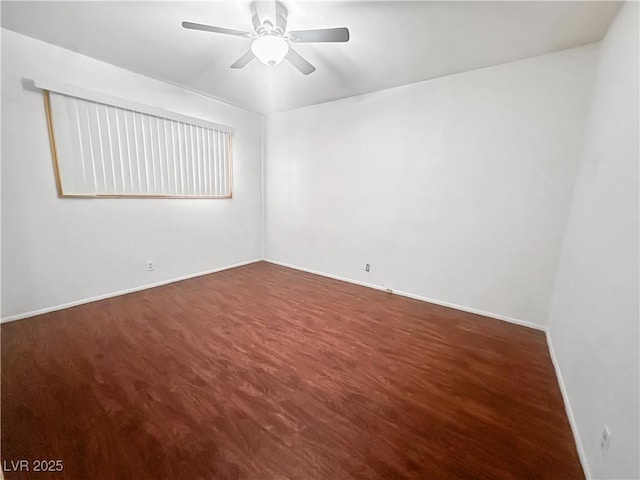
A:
211,28
243,60
255,18
321,35
299,62
281,16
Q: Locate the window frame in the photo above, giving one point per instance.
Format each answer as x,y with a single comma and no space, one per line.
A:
48,86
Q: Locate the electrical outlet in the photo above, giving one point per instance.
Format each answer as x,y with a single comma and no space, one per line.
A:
367,267
149,265
605,440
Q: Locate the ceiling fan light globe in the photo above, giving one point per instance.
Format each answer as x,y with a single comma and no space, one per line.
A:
270,49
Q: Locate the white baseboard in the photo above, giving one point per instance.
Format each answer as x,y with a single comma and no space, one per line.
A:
33,313
462,308
567,407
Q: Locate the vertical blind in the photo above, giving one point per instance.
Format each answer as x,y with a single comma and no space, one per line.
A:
109,150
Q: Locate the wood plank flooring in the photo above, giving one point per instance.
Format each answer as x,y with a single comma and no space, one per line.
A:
268,373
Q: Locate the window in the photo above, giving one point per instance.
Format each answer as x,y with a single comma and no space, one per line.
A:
106,147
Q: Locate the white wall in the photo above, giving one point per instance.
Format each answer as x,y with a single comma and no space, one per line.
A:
56,251
455,189
594,315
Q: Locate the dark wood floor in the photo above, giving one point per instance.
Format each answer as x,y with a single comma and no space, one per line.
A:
265,373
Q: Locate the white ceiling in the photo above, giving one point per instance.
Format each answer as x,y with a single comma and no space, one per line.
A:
392,43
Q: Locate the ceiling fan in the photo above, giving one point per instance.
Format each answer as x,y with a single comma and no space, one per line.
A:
271,42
